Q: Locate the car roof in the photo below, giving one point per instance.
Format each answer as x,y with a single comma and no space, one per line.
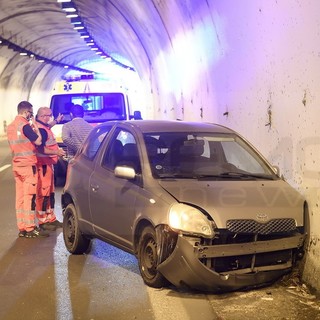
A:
173,126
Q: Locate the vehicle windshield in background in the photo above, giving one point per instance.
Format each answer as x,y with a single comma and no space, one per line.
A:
204,155
98,107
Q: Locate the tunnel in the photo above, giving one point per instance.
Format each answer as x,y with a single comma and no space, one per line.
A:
251,65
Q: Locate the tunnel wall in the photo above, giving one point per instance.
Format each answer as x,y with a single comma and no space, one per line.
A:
267,88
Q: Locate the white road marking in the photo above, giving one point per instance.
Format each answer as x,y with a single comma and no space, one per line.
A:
64,305
5,167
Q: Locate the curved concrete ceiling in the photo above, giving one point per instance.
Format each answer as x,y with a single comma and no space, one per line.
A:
133,33
42,28
139,34
198,59
133,30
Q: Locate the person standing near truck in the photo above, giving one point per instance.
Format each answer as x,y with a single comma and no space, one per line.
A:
75,131
47,155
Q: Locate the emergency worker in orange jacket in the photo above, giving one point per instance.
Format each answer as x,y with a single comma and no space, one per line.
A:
23,136
47,154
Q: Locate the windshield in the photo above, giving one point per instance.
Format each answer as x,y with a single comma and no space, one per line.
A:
98,107
204,155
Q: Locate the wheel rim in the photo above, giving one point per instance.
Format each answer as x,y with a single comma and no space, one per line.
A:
70,230
150,258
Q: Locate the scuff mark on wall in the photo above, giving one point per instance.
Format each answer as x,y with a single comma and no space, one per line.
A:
304,99
269,113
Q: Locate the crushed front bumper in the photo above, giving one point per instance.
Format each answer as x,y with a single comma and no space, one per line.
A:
184,267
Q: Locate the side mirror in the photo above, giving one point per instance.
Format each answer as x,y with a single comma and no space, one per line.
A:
125,172
137,115
276,170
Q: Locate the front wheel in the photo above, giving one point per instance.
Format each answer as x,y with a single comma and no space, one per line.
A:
148,259
74,240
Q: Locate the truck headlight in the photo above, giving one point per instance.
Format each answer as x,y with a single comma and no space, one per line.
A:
188,219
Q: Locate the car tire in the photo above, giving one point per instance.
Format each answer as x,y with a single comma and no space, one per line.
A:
74,240
148,259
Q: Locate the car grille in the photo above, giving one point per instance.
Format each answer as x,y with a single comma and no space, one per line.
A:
252,226
242,231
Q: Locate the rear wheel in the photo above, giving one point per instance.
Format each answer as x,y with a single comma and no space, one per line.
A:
148,259
74,240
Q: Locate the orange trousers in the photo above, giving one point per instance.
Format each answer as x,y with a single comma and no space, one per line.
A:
26,179
45,194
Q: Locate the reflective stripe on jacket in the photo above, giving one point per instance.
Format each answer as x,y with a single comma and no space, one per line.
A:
51,144
23,150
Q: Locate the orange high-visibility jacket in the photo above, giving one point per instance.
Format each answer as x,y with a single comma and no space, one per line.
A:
23,150
51,144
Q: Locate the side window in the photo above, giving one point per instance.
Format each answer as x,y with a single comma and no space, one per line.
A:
94,141
122,151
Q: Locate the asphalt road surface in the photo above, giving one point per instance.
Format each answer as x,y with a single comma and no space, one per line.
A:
39,279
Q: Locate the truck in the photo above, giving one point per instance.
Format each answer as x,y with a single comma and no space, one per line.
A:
102,100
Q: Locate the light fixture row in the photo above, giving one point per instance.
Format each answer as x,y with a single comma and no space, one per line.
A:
69,7
28,53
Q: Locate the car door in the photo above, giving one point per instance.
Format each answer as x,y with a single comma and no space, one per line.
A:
81,168
112,199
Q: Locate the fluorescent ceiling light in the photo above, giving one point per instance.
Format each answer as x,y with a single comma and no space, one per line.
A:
72,15
69,10
76,20
84,35
68,7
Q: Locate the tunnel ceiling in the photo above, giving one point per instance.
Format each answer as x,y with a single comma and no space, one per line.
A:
41,27
142,35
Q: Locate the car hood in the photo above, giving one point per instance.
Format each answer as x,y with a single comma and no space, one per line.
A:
225,200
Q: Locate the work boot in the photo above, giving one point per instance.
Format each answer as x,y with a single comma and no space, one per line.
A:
47,226
22,233
56,223
51,226
37,233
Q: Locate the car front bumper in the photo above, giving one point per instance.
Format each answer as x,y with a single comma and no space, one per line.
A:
183,268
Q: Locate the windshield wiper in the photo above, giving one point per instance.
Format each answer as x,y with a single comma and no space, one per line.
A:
177,175
245,175
223,175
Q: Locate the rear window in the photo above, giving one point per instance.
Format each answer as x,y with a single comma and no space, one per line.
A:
98,107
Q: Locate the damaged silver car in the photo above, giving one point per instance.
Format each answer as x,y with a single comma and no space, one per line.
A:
194,202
